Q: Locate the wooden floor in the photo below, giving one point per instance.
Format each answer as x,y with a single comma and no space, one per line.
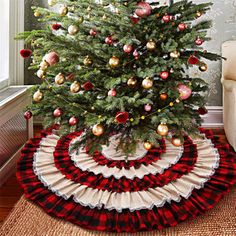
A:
11,192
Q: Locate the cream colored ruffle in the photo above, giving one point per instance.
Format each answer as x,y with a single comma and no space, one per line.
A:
51,177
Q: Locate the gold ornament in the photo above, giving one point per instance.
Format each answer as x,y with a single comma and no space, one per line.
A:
38,96
147,83
171,104
147,145
132,82
163,96
198,14
43,65
177,142
37,14
73,29
89,8
114,62
75,87
63,10
88,61
80,19
98,130
60,79
162,129
175,54
151,45
203,67
104,17
41,74
52,2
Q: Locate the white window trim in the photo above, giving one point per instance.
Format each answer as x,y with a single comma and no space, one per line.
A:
11,61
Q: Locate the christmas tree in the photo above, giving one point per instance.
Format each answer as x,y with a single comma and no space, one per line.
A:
119,67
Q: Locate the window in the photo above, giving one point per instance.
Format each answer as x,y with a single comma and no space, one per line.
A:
12,22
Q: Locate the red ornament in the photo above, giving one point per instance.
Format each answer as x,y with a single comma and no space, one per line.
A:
57,112
164,75
25,53
202,111
199,42
93,32
144,9
182,26
28,115
128,48
109,40
134,20
51,58
193,60
122,117
73,121
56,26
112,93
166,18
87,86
70,76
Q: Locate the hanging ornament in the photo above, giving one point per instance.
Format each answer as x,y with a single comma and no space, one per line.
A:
122,117
193,60
151,45
41,74
51,58
114,62
73,121
163,96
162,129
136,53
63,10
185,91
147,83
60,79
199,41
132,82
73,29
38,96
28,115
198,14
148,107
88,86
164,75
37,14
56,26
134,20
166,18
43,65
175,54
25,53
144,9
203,67
112,93
52,2
147,146
202,111
182,26
177,142
98,130
75,87
109,40
88,61
127,48
93,32
104,17
57,112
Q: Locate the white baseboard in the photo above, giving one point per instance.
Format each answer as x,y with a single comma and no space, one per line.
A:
214,118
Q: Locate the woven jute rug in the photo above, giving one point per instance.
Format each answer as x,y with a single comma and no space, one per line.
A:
28,219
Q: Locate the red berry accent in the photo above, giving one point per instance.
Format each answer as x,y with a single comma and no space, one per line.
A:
25,53
56,26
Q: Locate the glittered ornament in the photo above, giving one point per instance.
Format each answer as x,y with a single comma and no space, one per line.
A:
193,60
162,129
122,117
60,79
128,48
199,41
56,26
185,91
43,65
75,87
93,32
132,82
147,83
88,61
177,142
202,111
51,58
25,53
73,29
166,18
57,112
109,40
41,74
163,96
148,107
37,14
98,130
182,26
164,75
203,67
28,115
112,93
175,54
144,9
73,121
114,62
151,45
38,96
63,10
147,146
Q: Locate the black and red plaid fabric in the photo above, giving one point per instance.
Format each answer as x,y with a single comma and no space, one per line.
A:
141,220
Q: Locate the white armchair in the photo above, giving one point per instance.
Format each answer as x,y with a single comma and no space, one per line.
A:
229,90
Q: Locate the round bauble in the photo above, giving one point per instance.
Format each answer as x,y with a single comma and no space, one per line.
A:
38,96
134,20
28,115
112,93
199,41
75,87
147,146
122,117
41,74
109,40
73,121
56,26
88,86
148,107
147,83
175,54
88,61
182,26
162,129
198,14
132,82
93,32
203,67
63,10
51,58
114,62
164,75
52,2
73,29
136,53
37,14
177,142
185,91
60,79
151,45
144,9
166,18
25,53
202,111
98,130
193,60
43,65
128,48
163,96
57,112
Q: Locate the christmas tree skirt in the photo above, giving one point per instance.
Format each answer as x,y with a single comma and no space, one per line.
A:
164,187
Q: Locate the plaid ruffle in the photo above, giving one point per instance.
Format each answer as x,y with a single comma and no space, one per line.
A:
144,220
